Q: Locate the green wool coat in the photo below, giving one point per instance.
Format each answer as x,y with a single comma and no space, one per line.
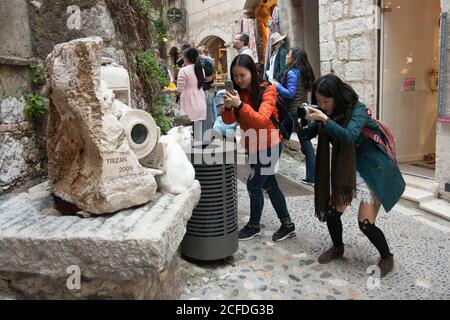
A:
372,161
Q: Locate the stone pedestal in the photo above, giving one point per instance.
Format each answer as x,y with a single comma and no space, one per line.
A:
130,255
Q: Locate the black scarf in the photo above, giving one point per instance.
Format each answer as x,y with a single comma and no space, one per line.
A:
343,171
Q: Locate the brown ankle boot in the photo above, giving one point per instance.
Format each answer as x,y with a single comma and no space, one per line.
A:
331,254
386,265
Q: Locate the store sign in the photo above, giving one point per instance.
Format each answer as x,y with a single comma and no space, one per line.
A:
174,15
409,84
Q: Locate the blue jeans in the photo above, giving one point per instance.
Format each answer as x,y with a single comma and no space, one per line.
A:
310,158
257,183
308,151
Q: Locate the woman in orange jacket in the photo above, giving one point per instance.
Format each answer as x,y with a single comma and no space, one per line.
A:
253,105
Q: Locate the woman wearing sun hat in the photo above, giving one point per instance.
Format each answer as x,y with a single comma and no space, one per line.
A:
277,66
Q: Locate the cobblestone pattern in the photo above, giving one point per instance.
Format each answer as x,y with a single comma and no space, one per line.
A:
262,269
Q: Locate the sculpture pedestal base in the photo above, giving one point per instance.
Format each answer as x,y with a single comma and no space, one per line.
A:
129,255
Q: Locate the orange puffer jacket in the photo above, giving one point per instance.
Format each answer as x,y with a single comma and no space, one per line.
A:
258,129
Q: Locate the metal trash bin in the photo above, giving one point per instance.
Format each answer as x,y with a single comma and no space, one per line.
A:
212,232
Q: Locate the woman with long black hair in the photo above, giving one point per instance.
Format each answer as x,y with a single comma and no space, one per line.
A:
360,167
297,83
253,105
190,85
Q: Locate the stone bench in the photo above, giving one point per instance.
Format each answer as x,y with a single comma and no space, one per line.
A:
129,255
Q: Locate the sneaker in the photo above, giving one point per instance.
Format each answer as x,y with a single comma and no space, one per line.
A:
386,265
285,232
249,233
308,183
331,254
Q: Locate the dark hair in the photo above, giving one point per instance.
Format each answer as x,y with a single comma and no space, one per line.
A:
192,55
185,46
244,38
260,70
331,86
302,63
245,61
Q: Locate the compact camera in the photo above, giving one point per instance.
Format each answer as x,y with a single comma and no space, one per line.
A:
306,110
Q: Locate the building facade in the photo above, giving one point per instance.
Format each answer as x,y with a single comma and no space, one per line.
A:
388,50
392,53
214,23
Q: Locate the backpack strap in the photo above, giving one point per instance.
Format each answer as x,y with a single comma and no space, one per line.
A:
261,94
372,136
377,139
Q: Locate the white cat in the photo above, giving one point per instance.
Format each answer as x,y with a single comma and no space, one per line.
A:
182,136
180,173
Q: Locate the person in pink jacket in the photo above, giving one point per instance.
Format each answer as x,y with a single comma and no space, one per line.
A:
190,85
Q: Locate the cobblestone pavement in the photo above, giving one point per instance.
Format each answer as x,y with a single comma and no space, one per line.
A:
262,269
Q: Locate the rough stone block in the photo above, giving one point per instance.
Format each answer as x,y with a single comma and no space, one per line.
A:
11,110
18,155
343,50
362,48
362,8
355,71
126,255
351,27
328,51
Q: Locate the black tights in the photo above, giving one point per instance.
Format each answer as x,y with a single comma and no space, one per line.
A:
334,224
372,232
376,236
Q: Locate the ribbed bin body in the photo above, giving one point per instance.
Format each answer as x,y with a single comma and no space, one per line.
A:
212,232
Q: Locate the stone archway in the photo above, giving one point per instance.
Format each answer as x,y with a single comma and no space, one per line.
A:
212,31
173,55
219,51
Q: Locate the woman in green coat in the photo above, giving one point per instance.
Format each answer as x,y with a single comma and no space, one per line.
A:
359,168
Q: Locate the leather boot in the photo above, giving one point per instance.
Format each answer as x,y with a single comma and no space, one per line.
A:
331,254
386,265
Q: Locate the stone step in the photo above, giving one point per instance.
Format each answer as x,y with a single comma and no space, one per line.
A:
429,185
417,195
437,207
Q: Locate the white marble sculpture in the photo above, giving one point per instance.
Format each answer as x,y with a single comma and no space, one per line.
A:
94,162
180,174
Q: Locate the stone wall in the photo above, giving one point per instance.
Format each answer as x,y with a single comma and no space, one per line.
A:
19,155
221,17
300,23
443,130
222,20
292,21
30,30
214,18
348,44
61,21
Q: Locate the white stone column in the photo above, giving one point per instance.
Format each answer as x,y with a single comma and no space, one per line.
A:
443,130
